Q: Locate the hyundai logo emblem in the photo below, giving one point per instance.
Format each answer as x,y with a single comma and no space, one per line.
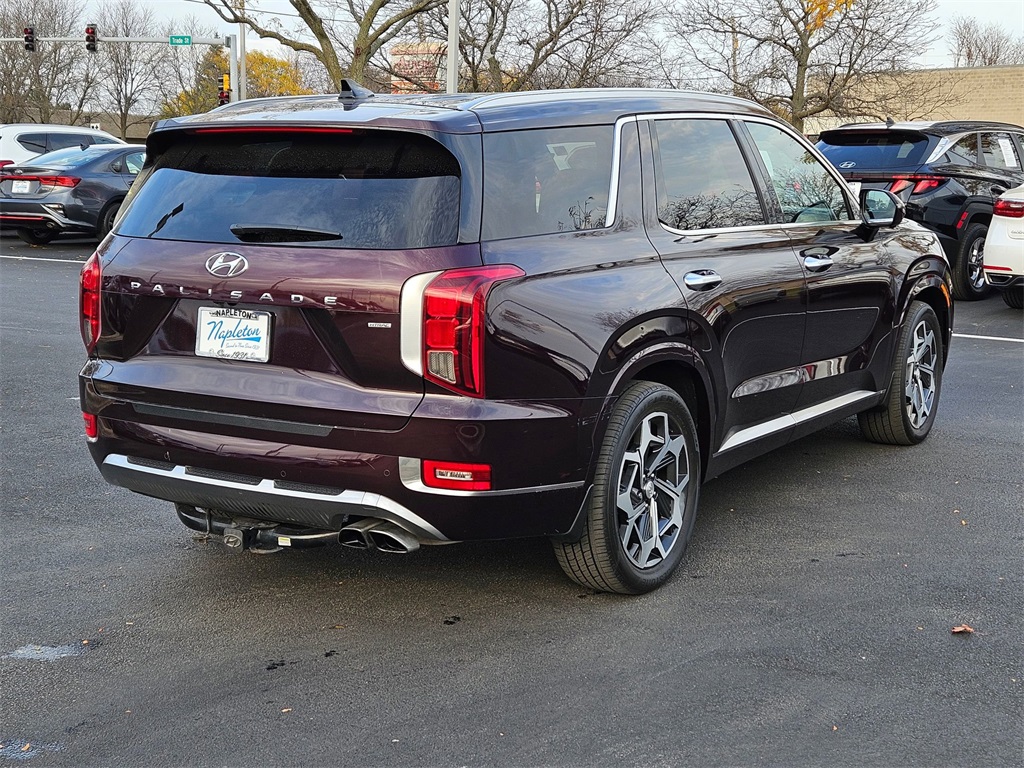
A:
848,164
226,264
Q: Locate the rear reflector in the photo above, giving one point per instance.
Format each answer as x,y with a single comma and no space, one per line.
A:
92,430
457,476
1011,209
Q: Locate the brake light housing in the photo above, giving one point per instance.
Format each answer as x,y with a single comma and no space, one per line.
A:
919,183
46,183
89,301
1010,209
454,326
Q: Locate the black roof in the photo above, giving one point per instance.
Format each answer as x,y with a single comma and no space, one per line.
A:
936,128
468,113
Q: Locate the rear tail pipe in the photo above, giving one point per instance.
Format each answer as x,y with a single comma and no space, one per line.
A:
371,533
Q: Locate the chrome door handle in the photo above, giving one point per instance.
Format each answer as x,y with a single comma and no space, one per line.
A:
817,263
701,281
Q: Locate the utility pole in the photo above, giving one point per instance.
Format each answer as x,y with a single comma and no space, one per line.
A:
453,47
242,81
232,41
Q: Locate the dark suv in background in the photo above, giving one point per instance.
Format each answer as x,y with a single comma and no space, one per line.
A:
400,320
948,174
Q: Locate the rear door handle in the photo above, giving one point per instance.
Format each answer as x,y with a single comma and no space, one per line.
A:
817,263
701,280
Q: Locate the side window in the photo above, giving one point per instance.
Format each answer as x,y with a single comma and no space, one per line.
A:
963,152
102,140
62,140
998,151
33,142
806,190
702,181
133,162
545,181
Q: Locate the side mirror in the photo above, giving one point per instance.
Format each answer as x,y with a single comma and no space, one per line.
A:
880,208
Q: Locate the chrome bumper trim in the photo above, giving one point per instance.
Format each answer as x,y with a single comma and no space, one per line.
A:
120,470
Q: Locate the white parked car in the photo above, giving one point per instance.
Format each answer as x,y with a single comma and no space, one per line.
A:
1004,247
23,141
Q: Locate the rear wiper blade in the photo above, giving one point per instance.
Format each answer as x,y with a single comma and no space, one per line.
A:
270,233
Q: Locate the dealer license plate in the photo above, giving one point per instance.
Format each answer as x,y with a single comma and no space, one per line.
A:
233,334
21,187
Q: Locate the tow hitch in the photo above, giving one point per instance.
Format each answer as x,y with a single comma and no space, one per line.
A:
244,534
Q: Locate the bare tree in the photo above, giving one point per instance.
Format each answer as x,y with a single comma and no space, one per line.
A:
130,87
513,45
347,34
802,58
972,44
54,82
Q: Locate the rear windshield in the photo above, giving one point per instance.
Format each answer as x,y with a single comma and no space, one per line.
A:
860,149
341,189
69,157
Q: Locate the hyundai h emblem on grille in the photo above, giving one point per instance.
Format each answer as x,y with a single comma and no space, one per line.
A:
226,264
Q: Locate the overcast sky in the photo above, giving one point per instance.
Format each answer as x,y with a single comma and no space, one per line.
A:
1008,13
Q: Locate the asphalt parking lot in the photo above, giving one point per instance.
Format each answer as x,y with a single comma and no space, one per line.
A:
810,624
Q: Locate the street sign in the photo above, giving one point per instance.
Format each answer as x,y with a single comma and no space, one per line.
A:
180,40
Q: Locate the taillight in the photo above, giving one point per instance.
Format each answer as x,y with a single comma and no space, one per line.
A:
45,181
6,162
920,183
92,429
90,302
454,312
456,475
1011,209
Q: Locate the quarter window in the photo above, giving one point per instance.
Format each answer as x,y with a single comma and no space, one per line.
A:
702,180
806,190
62,140
33,142
998,151
964,152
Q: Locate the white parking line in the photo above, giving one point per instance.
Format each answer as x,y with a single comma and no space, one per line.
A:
33,258
987,338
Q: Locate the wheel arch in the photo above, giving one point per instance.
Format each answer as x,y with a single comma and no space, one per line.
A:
934,290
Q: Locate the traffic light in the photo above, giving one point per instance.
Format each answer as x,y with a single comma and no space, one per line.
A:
92,37
30,39
224,93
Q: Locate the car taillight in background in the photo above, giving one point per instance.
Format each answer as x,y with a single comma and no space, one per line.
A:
90,302
1011,209
454,309
46,183
918,182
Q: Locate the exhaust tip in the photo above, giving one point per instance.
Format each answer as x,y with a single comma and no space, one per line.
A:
388,537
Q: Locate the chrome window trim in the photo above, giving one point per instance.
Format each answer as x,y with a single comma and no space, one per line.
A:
611,214
764,429
945,142
410,320
268,488
409,472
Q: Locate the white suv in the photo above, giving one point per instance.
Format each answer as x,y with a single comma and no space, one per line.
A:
23,141
1004,247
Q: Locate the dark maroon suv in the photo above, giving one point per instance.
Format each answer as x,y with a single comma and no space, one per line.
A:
401,320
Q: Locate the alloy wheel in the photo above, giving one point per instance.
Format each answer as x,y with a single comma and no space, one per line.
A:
975,264
651,499
921,384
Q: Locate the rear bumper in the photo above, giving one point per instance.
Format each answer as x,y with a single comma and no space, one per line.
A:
325,481
26,215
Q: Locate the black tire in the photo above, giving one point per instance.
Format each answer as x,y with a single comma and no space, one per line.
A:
37,236
619,551
907,415
106,220
1014,297
968,278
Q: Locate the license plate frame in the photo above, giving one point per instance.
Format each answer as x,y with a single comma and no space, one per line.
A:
229,333
21,187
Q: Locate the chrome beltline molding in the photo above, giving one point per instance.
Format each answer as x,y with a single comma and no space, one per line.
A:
267,488
750,434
